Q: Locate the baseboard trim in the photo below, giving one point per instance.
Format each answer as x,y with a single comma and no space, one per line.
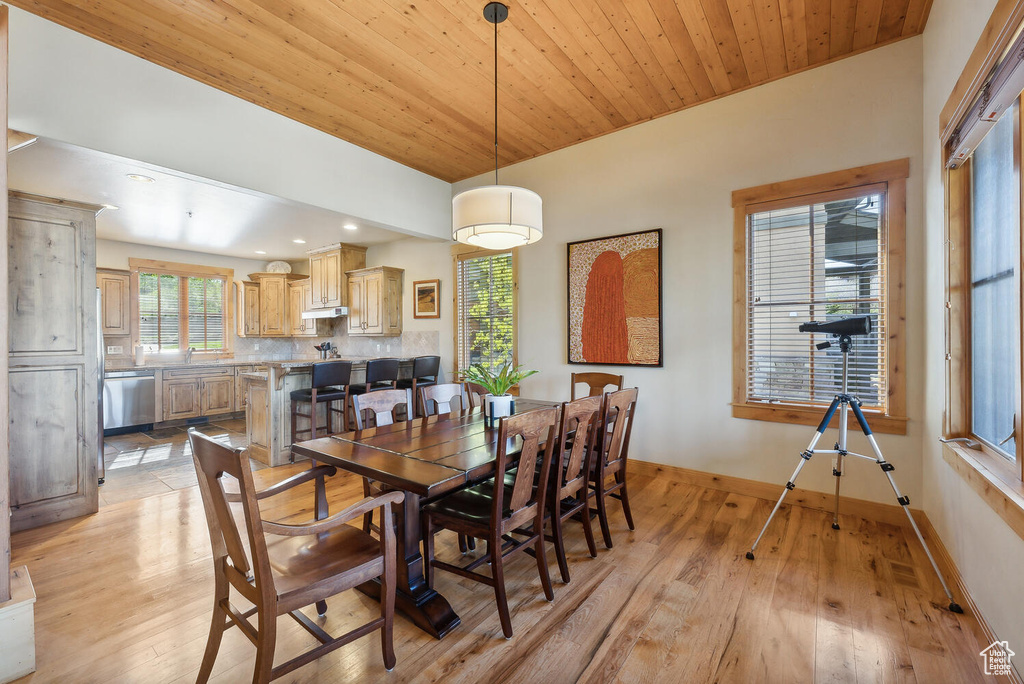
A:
820,501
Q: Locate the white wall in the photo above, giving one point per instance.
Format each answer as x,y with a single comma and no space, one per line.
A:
988,553
678,173
114,254
66,86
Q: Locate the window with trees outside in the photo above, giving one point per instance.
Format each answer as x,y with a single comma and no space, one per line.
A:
485,308
820,249
181,306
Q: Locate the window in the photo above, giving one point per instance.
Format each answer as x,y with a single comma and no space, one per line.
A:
181,306
820,249
485,307
994,289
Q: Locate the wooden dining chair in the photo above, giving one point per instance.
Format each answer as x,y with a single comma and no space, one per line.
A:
438,399
610,460
496,512
476,394
425,370
379,409
287,566
595,382
575,445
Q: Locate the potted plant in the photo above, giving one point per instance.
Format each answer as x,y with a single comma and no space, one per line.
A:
497,401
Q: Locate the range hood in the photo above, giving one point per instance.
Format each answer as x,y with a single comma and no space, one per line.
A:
336,312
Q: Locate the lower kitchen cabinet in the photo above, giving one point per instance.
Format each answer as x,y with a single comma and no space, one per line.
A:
216,395
188,393
181,398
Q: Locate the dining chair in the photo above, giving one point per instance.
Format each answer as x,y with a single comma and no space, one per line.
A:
575,446
496,512
329,385
286,566
595,382
610,460
380,408
438,399
380,374
425,370
476,394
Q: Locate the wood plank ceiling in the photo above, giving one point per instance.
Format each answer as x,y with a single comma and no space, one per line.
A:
414,81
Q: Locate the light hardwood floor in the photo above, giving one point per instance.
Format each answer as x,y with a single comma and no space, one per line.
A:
125,596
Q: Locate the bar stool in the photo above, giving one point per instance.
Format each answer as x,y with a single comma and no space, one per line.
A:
330,384
425,370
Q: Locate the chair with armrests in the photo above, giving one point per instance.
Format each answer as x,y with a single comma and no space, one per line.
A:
378,409
575,445
596,383
425,370
329,385
495,511
291,565
438,399
610,459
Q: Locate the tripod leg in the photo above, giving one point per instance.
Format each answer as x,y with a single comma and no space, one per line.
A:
838,472
804,457
904,502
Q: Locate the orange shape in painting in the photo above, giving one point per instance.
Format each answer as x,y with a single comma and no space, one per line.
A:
604,334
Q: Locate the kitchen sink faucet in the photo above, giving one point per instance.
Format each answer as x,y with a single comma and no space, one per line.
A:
188,354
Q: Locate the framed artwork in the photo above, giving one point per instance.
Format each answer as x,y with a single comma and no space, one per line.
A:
615,300
426,299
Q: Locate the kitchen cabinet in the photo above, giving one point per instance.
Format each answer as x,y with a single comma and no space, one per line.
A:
115,313
273,294
299,300
191,393
53,360
327,268
247,309
375,301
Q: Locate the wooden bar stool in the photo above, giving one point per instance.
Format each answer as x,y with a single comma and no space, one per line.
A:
596,382
330,384
425,370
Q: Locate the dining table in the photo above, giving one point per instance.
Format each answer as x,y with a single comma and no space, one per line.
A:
424,458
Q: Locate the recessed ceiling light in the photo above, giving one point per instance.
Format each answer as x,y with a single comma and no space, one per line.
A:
139,178
299,242
350,226
111,207
260,251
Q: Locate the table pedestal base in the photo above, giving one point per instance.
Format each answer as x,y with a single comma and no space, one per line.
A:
430,611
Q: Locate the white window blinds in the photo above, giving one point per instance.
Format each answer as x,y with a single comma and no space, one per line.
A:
486,325
819,261
173,308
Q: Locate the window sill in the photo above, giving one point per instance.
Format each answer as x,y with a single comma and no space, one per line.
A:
993,478
803,415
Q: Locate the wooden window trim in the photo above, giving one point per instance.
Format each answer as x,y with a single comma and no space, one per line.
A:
461,252
891,177
997,481
136,266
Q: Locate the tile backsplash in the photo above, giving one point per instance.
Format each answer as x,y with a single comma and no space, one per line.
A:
408,344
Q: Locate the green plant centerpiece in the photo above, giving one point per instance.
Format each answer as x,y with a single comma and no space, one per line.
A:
498,402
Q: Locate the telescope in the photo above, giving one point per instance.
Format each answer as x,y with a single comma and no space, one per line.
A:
853,325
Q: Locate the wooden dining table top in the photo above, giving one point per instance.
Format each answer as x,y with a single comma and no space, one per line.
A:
426,456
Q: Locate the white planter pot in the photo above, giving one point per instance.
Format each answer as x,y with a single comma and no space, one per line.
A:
496,408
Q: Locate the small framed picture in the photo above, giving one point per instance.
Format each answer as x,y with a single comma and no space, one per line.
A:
426,296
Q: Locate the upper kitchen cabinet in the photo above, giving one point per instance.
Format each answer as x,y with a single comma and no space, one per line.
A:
327,268
273,291
115,289
54,360
299,300
247,298
375,301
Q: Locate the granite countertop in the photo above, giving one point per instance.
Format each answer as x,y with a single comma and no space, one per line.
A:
220,363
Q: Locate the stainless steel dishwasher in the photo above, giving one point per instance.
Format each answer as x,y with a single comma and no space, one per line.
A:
129,398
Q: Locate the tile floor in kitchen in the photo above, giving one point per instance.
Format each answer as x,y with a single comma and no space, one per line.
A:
142,464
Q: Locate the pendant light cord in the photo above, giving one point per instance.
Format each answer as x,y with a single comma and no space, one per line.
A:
495,102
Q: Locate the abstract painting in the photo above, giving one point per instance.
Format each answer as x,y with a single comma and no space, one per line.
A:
425,299
615,300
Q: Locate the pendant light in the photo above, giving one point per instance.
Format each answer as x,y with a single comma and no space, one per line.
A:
497,216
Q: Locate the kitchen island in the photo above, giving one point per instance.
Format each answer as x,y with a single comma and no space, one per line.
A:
268,404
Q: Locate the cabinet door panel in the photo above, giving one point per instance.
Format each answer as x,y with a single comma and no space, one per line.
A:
296,324
316,281
217,395
257,417
372,295
181,399
393,304
44,434
45,296
356,302
332,279
273,307
252,308
114,318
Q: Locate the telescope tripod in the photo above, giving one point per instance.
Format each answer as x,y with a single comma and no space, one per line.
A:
845,402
